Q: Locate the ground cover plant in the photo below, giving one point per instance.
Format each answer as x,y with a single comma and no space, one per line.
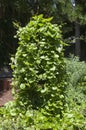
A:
41,81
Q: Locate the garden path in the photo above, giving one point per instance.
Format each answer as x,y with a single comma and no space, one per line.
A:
5,97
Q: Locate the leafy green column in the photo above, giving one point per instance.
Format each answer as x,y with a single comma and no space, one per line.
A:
39,67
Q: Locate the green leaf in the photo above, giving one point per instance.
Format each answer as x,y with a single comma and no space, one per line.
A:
22,86
53,68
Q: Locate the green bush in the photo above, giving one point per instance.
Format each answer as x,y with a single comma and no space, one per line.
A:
76,80
76,93
39,68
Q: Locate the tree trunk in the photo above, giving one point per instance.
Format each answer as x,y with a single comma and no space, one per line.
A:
77,37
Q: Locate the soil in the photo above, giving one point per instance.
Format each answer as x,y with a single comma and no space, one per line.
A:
5,97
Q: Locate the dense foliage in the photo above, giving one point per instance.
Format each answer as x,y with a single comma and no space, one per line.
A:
39,71
39,68
74,116
76,81
49,91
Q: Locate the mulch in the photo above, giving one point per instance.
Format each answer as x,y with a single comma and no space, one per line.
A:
5,97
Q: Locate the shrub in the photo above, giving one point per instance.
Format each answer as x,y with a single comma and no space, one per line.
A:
75,93
76,80
39,67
